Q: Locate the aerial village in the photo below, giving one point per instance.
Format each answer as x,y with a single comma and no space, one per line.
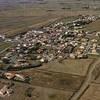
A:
58,41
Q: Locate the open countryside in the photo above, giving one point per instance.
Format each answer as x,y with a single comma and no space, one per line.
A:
49,49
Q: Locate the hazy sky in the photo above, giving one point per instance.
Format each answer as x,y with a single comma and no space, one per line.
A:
54,2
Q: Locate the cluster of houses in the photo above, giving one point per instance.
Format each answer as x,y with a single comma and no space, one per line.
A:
58,41
6,90
82,20
6,86
61,40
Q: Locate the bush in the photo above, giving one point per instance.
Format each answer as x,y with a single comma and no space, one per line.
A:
28,92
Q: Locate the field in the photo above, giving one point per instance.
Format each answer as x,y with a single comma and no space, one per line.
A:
69,66
39,93
92,93
57,81
20,16
19,20
54,81
95,26
48,85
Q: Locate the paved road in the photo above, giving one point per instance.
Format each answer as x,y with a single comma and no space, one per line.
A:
86,83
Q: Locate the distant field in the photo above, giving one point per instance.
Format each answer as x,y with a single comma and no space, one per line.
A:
20,18
17,16
15,21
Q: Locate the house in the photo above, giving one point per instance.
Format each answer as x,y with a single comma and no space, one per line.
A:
5,91
2,38
9,75
72,56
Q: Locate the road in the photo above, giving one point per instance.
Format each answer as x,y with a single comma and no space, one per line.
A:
87,82
5,50
87,48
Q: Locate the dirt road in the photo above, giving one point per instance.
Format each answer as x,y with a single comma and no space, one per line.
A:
87,82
